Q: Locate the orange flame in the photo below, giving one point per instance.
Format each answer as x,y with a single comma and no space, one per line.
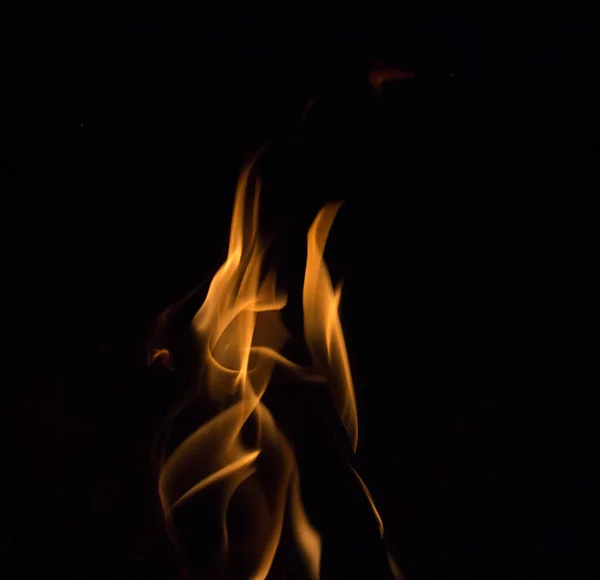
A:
322,327
240,451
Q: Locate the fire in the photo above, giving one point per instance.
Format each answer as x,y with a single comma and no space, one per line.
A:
381,74
240,455
322,327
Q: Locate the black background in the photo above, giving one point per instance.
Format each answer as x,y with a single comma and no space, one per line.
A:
466,246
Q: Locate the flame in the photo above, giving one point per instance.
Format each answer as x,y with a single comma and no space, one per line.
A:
322,327
241,334
381,74
239,453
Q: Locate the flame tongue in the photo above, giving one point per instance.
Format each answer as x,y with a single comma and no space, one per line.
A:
241,333
322,327
240,456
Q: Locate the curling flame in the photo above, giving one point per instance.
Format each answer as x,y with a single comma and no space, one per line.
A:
322,327
239,454
241,333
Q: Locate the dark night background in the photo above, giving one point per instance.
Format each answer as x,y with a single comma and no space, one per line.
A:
467,248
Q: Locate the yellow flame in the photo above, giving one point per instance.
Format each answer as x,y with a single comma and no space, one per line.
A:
240,451
241,334
322,327
371,501
395,570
